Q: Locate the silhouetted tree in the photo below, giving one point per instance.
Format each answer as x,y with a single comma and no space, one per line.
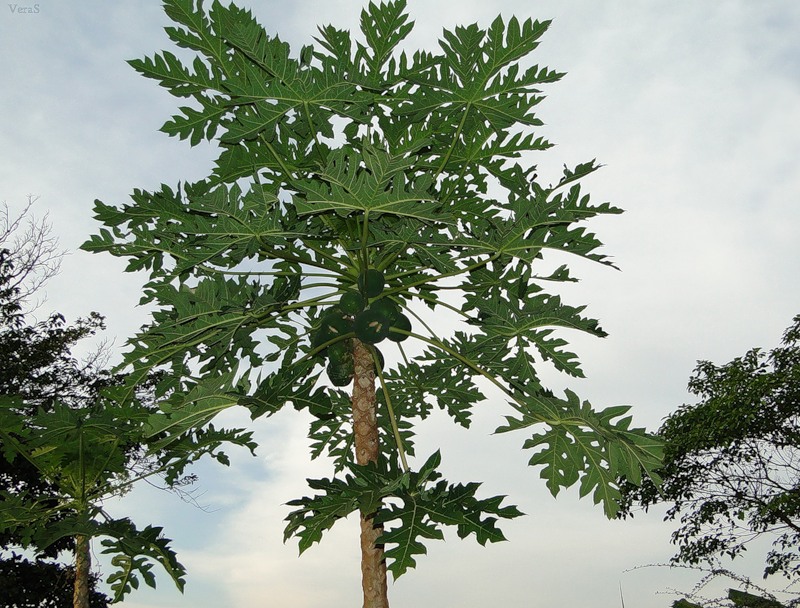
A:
38,366
732,461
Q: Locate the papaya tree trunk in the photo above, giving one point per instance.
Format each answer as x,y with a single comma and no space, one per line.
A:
365,429
83,563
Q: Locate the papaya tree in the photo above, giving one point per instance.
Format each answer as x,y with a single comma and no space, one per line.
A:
68,442
85,455
357,185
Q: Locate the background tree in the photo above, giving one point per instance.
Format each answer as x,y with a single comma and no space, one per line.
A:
33,255
38,365
749,595
735,599
84,453
67,443
731,464
354,186
42,583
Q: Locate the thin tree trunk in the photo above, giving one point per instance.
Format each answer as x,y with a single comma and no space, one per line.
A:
83,563
365,429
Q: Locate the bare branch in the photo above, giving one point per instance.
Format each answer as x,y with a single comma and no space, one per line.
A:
34,252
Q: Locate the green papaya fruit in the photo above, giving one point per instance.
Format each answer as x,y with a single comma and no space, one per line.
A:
371,282
401,322
351,303
339,353
333,324
340,375
318,337
371,326
387,308
336,324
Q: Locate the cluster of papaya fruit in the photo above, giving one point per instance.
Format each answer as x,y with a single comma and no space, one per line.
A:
360,313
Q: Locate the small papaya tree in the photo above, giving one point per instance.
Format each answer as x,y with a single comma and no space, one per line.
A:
85,455
354,186
68,443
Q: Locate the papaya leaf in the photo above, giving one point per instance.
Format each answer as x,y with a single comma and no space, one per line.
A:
419,509
134,552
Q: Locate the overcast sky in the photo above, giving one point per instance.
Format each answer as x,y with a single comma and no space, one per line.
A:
693,108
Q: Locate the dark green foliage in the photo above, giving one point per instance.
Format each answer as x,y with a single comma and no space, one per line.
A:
730,465
134,551
285,288
80,453
8,304
41,584
738,599
38,365
750,600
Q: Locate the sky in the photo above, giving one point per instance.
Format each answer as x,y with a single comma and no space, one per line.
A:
692,107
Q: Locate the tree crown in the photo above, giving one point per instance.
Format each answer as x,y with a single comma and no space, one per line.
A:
356,184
